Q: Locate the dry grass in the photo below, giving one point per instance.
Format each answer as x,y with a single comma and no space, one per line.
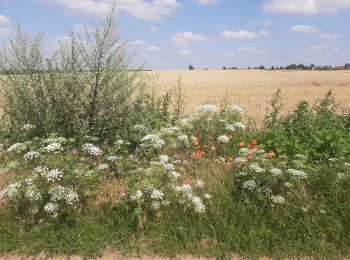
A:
253,89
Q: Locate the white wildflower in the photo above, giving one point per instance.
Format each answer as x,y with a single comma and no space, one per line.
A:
103,166
33,194
256,168
297,173
183,139
168,167
157,195
199,184
278,199
10,190
41,170
27,127
244,151
92,150
300,156
199,207
242,174
54,175
71,196
57,193
206,108
51,208
152,140
174,175
14,147
119,142
230,127
288,185
53,148
250,185
276,172
332,160
31,155
236,108
137,195
223,139
155,205
239,125
207,196
164,158
112,158
240,160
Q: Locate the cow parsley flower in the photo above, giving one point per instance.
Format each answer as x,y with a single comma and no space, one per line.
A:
207,196
27,127
103,166
236,108
14,147
223,139
250,185
206,108
31,155
186,188
92,150
239,125
119,142
137,195
278,199
230,127
57,193
183,139
276,172
199,207
71,196
41,170
164,159
152,140
157,195
112,158
288,185
155,205
256,168
297,173
10,190
174,175
51,208
242,174
240,160
199,184
53,147
54,175
244,151
33,194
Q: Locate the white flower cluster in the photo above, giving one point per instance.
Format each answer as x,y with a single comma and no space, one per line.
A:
67,194
174,175
33,194
240,160
41,170
250,185
157,195
31,155
278,199
112,158
199,207
10,190
297,173
276,172
51,208
152,140
54,175
92,150
332,160
223,139
183,139
163,159
14,147
206,108
27,127
256,168
103,166
53,147
231,128
137,195
239,125
186,188
199,184
236,108
300,156
119,142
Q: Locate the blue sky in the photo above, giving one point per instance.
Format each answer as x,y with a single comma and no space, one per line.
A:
171,34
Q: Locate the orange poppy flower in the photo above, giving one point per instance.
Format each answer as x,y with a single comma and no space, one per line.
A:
241,144
254,142
210,137
194,156
195,143
201,153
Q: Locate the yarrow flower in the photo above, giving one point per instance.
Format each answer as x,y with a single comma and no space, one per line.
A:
236,108
92,150
276,172
240,160
53,147
183,139
155,205
297,173
112,158
41,170
103,166
152,140
137,195
174,175
250,185
206,108
239,125
54,175
14,147
51,208
256,168
278,199
157,195
199,207
230,127
33,194
207,196
199,184
224,139
31,155
27,127
10,190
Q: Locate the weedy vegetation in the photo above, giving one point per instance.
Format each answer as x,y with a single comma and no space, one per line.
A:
91,160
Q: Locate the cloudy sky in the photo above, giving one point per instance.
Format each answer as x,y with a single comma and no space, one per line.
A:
171,34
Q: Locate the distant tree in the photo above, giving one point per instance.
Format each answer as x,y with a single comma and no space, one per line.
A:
347,66
261,67
249,68
301,66
190,67
224,68
281,68
312,66
233,68
272,68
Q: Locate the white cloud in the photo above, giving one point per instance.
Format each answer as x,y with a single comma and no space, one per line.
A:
184,52
228,35
137,43
207,2
142,9
152,48
6,31
185,38
267,21
251,50
305,7
4,19
264,33
329,36
322,50
304,28
153,29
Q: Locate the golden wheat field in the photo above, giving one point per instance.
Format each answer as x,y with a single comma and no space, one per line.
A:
253,89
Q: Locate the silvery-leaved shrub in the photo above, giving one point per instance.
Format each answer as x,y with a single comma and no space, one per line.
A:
86,88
